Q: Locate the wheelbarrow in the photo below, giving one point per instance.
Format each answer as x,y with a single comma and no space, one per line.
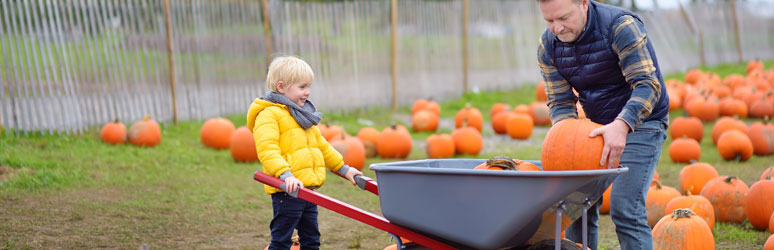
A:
446,204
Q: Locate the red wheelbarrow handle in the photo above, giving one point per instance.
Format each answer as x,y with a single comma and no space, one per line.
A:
354,212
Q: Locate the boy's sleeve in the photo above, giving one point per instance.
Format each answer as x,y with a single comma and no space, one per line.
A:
266,135
561,100
333,159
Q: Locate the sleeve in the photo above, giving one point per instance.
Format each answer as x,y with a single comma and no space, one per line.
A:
630,42
333,159
561,100
266,135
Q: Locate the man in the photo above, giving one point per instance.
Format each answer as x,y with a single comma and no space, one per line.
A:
603,52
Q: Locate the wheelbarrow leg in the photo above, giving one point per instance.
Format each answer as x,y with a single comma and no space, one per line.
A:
558,231
585,227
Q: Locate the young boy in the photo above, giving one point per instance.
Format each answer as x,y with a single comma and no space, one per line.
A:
290,147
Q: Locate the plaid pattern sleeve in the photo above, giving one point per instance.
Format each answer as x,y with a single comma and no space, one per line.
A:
561,100
630,42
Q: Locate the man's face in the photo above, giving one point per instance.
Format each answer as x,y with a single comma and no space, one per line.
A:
565,18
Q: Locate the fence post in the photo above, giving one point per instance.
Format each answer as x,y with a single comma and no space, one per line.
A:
465,17
394,59
736,31
697,31
171,57
267,32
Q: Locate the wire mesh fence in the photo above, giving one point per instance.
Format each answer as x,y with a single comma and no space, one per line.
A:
72,65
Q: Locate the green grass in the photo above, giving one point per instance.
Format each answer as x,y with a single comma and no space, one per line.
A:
72,191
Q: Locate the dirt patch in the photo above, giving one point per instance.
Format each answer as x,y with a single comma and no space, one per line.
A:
6,173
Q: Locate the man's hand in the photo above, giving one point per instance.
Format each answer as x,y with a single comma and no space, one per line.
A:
614,135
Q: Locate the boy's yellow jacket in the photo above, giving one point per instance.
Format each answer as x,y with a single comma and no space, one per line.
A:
283,145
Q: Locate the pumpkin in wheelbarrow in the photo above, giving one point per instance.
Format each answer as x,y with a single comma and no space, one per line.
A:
567,146
506,163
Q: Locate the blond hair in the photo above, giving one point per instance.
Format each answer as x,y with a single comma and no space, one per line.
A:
288,69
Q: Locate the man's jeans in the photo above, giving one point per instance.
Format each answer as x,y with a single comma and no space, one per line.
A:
627,198
293,213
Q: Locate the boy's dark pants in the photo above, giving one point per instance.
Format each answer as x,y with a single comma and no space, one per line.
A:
293,213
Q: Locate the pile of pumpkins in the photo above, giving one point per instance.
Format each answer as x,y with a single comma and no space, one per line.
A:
709,197
705,97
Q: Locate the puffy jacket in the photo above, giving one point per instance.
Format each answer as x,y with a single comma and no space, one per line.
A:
283,145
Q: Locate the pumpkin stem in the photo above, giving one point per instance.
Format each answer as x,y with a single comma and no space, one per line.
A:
682,213
467,105
658,185
768,175
729,179
115,120
147,117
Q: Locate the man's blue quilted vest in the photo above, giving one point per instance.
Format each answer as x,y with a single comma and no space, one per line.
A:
591,67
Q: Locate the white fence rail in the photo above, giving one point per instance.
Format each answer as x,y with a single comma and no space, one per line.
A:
72,65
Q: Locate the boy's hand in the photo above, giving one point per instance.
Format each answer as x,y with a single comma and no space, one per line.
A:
351,175
292,184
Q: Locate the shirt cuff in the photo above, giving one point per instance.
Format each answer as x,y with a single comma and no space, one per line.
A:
343,170
285,175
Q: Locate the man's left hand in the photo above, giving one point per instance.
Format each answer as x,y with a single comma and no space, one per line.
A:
614,135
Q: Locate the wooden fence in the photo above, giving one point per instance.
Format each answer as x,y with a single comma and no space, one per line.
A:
71,65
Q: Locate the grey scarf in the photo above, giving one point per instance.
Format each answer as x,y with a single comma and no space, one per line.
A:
306,116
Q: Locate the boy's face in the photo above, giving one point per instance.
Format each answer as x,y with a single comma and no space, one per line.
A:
297,93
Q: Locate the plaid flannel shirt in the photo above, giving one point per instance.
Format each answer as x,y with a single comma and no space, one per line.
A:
630,44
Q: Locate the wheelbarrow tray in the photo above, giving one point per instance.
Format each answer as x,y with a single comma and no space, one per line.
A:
448,200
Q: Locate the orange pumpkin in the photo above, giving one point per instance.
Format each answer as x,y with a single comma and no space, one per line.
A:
684,150
705,108
687,126
242,145
657,199
352,150
424,120
759,203
675,100
567,146
521,109
762,137
500,122
769,245
519,126
605,207
693,76
696,203
422,104
735,145
216,133
113,133
439,146
771,224
467,140
727,197
539,112
682,229
754,65
394,142
694,176
540,92
369,136
730,106
497,108
526,166
725,124
332,132
470,117
145,132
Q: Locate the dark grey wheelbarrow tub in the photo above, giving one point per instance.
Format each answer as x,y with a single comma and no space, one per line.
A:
447,200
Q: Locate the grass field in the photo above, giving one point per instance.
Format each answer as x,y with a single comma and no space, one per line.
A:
74,192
